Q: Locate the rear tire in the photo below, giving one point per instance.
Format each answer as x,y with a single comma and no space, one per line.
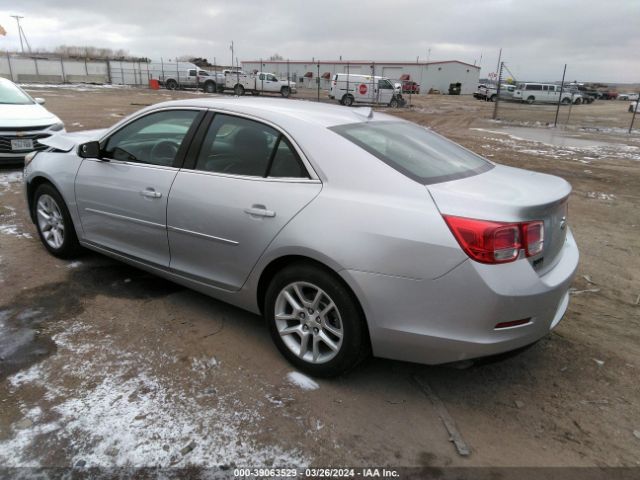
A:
306,306
347,100
172,85
530,100
238,90
566,101
54,224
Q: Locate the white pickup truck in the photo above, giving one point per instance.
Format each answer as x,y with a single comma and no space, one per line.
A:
258,83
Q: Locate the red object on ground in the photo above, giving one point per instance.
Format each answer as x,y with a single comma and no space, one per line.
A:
154,84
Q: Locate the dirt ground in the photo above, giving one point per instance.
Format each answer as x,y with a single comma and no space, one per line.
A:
106,365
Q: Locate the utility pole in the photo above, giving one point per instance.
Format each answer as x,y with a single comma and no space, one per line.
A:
232,57
21,34
555,122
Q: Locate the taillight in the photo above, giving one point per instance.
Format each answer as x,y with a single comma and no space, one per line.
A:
533,238
496,242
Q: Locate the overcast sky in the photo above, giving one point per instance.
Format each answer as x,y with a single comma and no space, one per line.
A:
599,40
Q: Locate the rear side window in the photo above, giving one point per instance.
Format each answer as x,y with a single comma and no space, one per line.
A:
415,151
239,146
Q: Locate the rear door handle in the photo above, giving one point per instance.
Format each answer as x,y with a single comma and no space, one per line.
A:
150,193
259,211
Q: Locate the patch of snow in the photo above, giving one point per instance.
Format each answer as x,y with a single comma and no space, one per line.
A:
302,381
74,264
14,230
601,195
120,413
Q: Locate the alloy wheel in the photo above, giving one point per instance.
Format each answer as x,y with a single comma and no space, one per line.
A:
309,322
50,221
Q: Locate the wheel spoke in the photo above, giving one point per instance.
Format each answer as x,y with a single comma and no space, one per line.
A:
292,301
316,300
316,348
327,341
44,214
290,330
58,237
304,344
286,316
304,301
331,329
327,309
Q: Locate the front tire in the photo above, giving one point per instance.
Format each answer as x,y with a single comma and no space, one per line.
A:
394,103
285,92
54,224
315,321
347,100
210,87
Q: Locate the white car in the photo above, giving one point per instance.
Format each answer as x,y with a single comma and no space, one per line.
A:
23,122
628,96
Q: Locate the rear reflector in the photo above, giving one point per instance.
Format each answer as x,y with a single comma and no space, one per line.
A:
513,323
496,242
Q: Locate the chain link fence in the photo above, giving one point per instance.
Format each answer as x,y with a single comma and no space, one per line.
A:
594,107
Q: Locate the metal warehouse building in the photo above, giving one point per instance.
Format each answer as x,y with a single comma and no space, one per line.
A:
437,75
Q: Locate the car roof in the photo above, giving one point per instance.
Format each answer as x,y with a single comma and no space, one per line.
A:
280,111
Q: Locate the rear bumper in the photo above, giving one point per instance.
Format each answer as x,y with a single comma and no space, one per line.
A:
453,317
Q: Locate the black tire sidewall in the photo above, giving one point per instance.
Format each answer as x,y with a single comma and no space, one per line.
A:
285,92
70,246
355,342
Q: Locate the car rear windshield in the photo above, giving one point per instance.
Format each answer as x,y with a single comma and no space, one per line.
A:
10,94
415,151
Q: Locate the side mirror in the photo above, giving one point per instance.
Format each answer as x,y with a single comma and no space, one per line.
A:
89,150
40,101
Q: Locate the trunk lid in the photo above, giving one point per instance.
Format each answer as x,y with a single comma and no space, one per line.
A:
506,194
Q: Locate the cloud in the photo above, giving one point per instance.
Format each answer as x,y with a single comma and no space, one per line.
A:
597,40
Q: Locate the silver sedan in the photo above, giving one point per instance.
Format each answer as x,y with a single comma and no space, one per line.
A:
352,232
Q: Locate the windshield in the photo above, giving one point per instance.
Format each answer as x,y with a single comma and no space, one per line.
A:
415,151
11,94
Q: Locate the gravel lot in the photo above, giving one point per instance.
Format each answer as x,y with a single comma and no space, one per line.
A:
105,365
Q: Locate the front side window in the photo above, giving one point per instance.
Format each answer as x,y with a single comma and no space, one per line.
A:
153,139
385,84
239,146
414,151
11,94
192,73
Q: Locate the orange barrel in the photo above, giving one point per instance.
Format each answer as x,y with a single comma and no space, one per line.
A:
154,84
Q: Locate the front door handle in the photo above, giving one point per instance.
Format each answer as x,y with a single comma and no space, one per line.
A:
259,211
150,193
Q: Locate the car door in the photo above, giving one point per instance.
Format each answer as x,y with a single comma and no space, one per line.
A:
385,91
122,197
232,198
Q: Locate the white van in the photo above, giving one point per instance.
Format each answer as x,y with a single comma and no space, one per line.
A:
544,93
352,88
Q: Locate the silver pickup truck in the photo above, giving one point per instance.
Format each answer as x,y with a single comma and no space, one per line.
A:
210,82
